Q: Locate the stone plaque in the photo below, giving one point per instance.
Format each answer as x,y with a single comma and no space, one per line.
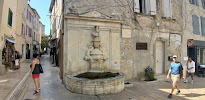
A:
126,33
141,46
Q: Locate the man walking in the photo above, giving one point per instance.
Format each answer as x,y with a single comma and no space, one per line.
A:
175,70
190,70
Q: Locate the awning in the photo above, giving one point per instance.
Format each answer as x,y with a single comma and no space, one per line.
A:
10,40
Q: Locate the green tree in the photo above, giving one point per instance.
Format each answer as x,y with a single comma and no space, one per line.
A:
44,42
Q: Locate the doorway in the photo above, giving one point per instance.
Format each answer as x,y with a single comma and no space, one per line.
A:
159,57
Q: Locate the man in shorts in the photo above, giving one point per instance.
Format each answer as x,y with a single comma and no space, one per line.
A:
175,70
190,70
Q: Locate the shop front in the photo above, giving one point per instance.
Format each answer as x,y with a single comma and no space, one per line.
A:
8,52
196,50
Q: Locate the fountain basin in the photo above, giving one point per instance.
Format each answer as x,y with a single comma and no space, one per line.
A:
95,86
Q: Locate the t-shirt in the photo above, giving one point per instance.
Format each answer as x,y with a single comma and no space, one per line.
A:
189,65
176,68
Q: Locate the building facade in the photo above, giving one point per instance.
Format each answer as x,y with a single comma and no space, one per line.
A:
151,31
7,31
193,44
56,24
19,28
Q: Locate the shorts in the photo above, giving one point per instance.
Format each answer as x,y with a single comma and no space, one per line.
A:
175,78
17,62
188,74
35,75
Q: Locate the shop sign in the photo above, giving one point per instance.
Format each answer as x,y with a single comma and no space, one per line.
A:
190,43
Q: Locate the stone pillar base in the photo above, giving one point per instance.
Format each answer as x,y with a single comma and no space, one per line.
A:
2,69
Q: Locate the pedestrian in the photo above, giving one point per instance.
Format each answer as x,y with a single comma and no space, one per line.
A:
35,73
16,60
176,71
19,57
190,70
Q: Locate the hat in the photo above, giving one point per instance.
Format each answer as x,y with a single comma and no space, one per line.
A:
175,56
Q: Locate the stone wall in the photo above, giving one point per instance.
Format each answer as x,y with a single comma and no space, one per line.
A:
78,37
144,29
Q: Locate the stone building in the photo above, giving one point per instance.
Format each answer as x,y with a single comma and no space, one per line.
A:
17,28
56,26
36,33
150,33
7,31
193,44
21,24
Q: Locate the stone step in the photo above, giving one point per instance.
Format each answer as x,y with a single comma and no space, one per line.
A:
160,77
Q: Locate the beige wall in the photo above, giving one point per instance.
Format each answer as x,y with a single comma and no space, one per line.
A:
21,17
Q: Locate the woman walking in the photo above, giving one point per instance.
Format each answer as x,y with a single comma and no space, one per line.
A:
35,72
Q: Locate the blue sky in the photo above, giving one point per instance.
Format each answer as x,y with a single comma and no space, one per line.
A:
42,7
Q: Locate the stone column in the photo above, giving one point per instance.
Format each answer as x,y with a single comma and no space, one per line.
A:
2,67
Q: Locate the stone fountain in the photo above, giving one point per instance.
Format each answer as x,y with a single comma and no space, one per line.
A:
92,56
95,53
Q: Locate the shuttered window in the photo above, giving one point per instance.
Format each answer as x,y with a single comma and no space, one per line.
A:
10,15
203,3
195,2
167,8
145,6
202,26
195,21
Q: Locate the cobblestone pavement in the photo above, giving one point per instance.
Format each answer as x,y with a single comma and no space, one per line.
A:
53,89
11,79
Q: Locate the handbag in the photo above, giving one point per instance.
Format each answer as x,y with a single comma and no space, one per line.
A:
40,68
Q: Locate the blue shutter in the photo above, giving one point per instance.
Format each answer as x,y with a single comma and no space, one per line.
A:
191,1
202,26
197,2
195,20
203,3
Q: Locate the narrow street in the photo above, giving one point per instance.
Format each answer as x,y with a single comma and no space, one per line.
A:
53,89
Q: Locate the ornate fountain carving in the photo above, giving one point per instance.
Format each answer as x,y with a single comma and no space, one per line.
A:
95,53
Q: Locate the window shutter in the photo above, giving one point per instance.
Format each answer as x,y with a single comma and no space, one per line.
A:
22,29
191,1
195,20
27,14
167,4
136,6
153,7
203,4
202,26
197,2
26,29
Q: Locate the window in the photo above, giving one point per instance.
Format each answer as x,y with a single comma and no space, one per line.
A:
23,29
203,3
30,32
167,8
26,29
203,26
195,2
22,50
145,6
195,22
10,15
34,36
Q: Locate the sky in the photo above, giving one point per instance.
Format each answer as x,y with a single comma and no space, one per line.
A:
42,7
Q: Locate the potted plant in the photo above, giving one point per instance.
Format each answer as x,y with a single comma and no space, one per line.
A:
7,64
149,74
